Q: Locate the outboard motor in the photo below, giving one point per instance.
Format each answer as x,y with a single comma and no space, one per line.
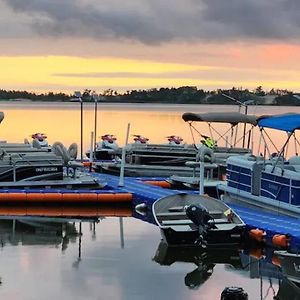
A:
41,139
198,214
175,140
139,139
108,142
200,217
234,293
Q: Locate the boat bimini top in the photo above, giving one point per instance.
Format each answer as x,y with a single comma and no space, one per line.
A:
233,119
220,117
286,122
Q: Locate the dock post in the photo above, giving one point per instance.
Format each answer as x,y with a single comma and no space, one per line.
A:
92,150
201,178
121,181
81,129
96,98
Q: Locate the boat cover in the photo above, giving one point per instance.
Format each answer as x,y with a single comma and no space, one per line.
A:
221,117
286,122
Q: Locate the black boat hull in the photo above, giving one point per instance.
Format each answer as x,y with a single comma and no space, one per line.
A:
213,237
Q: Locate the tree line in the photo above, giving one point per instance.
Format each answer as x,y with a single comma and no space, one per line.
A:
184,94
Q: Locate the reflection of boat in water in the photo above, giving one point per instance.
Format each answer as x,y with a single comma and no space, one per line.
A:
290,285
192,219
32,231
51,225
168,255
204,259
272,181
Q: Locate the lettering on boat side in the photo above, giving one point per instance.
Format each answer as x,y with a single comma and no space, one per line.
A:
296,267
46,169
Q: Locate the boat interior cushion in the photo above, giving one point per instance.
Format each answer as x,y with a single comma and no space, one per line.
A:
294,160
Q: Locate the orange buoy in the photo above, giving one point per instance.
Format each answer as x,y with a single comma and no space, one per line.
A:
280,240
257,234
161,183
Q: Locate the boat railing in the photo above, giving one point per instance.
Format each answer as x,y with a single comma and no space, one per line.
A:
21,161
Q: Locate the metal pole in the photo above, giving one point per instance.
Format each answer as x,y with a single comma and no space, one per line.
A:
201,178
91,147
121,181
95,127
81,129
246,112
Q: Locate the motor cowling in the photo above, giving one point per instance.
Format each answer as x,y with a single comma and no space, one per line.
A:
234,293
198,214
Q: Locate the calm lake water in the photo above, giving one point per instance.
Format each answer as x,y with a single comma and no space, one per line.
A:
116,257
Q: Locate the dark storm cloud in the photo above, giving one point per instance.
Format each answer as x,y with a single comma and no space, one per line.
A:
156,21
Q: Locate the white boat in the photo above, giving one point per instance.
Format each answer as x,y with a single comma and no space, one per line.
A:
174,158
270,181
24,166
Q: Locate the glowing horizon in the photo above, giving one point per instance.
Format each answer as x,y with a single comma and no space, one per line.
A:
69,73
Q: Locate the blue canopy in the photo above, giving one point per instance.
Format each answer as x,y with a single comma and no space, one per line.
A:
286,122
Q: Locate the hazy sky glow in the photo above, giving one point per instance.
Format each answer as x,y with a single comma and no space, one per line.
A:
75,44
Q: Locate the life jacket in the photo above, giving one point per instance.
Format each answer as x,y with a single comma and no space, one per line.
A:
210,143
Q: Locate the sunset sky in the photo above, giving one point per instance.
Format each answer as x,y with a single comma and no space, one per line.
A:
67,45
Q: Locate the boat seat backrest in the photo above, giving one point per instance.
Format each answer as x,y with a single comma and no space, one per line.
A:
294,160
290,167
295,168
288,171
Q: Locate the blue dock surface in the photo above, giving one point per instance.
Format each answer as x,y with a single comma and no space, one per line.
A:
270,222
254,218
146,193
142,192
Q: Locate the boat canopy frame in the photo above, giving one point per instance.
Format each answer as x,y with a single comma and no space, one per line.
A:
288,123
232,118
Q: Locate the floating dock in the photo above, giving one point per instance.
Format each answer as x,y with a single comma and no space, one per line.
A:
141,190
66,211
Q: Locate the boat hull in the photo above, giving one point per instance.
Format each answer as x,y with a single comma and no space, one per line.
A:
213,238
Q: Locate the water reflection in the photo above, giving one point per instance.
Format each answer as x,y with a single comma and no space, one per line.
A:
279,276
182,272
58,228
204,259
